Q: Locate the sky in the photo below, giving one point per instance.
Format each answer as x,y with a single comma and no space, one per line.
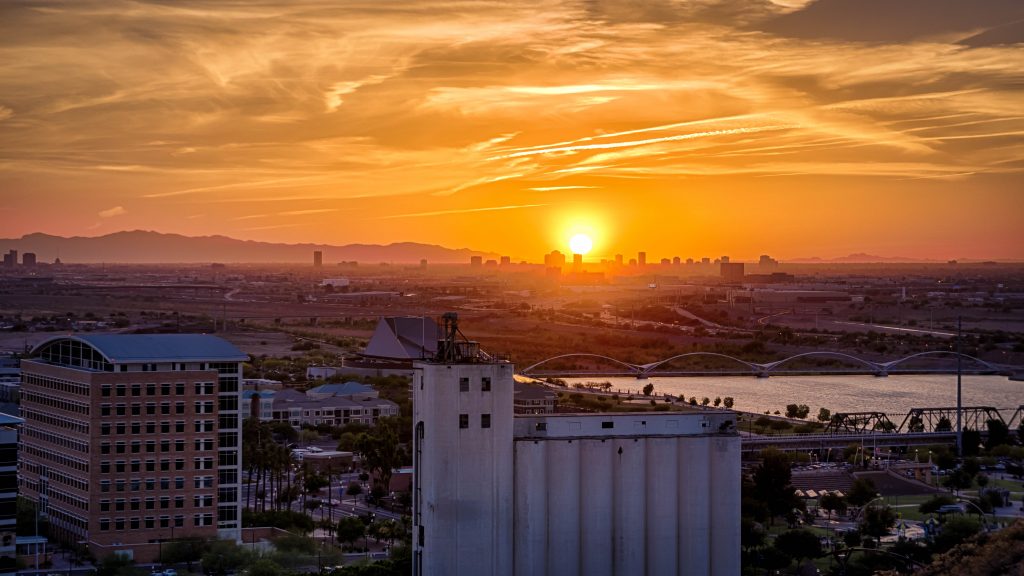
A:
679,127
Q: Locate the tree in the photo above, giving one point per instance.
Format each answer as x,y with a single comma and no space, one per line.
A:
916,424
728,402
118,565
877,521
705,401
224,556
824,414
957,480
832,502
791,410
798,544
381,451
183,550
971,441
752,535
265,567
933,504
350,529
861,492
998,433
648,389
354,489
955,530
718,401
944,425
772,484
347,442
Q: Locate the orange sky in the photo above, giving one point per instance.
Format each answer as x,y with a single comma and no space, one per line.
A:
691,128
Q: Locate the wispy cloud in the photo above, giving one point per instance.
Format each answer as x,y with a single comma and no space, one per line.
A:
556,188
460,211
644,142
309,211
112,212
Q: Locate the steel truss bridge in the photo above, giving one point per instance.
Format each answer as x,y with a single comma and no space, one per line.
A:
763,370
919,427
804,442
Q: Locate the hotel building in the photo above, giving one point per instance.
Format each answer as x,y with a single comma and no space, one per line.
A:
130,441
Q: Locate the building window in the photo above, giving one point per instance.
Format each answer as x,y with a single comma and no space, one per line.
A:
463,384
463,420
485,420
608,424
485,384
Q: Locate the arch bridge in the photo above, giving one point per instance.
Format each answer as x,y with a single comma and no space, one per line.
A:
761,370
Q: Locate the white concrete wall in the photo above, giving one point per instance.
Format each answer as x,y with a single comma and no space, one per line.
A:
725,510
464,497
627,505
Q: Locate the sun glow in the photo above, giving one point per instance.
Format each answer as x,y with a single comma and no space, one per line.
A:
580,244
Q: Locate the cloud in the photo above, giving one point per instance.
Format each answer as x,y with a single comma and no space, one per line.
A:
112,212
556,188
310,211
460,211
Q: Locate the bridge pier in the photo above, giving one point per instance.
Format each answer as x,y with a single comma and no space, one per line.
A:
761,374
882,374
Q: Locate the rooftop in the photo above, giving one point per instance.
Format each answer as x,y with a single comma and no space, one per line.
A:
125,348
342,389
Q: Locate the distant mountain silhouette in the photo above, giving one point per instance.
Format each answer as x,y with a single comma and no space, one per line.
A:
893,20
141,246
859,258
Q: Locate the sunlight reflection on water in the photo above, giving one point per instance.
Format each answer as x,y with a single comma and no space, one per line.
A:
894,394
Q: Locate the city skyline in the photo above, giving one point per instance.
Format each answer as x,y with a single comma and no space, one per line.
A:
712,127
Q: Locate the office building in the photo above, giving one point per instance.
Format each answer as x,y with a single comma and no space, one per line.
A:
28,259
554,260
8,493
577,262
133,440
318,258
11,258
732,271
476,261
497,494
618,260
506,260
641,259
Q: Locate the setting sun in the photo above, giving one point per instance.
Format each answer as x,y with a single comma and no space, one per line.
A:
580,244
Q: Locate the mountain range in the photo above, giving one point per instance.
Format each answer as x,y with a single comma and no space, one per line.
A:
147,247
140,246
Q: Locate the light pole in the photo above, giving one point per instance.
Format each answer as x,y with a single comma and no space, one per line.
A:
959,406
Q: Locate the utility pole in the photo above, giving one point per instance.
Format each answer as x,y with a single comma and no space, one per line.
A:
959,374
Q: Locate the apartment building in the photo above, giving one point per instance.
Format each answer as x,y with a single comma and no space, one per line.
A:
133,440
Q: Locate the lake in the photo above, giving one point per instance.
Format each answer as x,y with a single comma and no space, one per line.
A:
895,394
